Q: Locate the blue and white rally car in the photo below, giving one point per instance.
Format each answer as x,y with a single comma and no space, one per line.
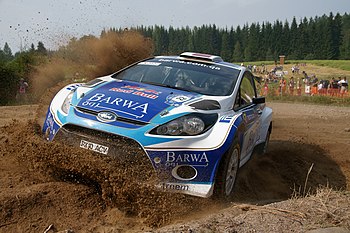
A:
195,118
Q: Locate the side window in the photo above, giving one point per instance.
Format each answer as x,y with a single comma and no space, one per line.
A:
246,92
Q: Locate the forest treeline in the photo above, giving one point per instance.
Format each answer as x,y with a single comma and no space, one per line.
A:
326,37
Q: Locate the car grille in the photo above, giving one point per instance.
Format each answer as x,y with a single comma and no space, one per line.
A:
122,148
121,119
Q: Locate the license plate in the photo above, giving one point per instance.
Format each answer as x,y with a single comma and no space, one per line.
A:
94,147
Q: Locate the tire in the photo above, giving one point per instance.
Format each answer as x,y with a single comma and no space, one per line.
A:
227,173
267,141
263,147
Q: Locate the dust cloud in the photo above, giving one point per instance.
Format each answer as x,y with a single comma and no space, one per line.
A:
85,59
88,57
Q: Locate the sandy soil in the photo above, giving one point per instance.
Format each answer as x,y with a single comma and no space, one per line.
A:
49,187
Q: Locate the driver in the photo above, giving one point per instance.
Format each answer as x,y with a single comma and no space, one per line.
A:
183,79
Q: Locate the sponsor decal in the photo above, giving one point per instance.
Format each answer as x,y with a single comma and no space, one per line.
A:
49,120
136,108
106,116
136,90
50,126
181,187
73,87
212,67
226,119
116,89
177,100
194,158
250,116
164,113
245,119
251,137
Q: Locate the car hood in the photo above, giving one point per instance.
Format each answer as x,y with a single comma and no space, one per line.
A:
132,100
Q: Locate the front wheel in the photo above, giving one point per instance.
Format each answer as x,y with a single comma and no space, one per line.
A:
227,173
267,141
262,148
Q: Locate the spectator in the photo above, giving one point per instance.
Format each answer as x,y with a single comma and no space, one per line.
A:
282,86
338,83
266,89
306,78
291,86
307,88
299,85
333,87
314,89
295,69
320,88
343,84
22,91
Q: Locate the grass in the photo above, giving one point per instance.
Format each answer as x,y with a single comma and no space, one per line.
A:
338,64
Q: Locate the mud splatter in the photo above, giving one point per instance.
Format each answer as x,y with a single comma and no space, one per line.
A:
127,185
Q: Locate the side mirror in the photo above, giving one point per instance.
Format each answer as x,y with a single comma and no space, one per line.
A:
259,100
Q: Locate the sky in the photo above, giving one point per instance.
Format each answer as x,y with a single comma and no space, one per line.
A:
54,22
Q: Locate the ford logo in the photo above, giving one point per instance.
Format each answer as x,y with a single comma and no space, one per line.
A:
106,116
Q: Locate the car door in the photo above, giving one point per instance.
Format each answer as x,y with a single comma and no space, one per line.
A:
250,114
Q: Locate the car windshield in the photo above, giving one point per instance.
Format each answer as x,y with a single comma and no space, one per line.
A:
206,79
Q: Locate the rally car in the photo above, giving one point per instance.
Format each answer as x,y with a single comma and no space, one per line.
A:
195,118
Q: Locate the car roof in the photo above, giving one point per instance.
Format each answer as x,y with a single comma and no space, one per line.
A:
203,58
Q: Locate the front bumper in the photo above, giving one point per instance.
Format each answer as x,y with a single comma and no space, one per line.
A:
180,171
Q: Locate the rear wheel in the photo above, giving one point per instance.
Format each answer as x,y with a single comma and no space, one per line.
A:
227,173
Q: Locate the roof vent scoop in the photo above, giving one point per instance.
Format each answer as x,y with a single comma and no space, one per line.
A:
201,56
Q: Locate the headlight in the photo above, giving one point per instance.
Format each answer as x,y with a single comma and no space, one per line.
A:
66,103
192,124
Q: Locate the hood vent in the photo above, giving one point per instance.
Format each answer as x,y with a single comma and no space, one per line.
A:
93,83
206,105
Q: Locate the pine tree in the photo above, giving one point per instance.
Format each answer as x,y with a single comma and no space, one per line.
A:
293,41
267,40
32,48
345,45
285,38
41,48
252,49
303,39
160,38
337,35
313,40
277,37
7,52
237,54
225,46
190,42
